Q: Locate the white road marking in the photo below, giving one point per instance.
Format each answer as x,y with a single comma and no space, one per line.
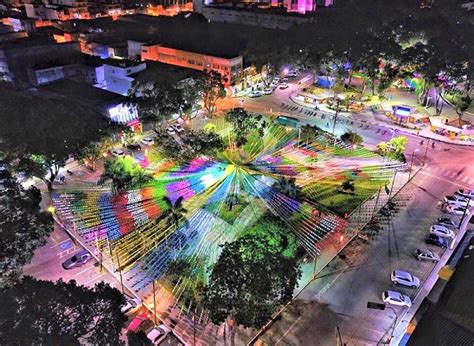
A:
84,270
452,175
94,278
465,179
456,183
57,244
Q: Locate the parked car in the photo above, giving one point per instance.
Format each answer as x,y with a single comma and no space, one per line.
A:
137,322
117,152
134,146
284,80
396,298
170,131
458,201
284,86
158,334
267,91
276,80
434,239
130,304
147,141
178,128
400,277
447,222
254,94
79,259
465,193
426,255
456,210
442,231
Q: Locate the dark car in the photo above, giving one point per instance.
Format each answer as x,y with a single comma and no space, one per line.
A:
134,147
434,239
79,259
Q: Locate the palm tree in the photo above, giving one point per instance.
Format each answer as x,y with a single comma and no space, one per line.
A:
348,185
288,187
175,213
231,200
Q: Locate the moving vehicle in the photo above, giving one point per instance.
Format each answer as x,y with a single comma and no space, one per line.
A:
465,193
79,259
396,298
442,231
137,322
147,141
170,130
284,86
267,91
426,255
447,222
400,277
130,304
434,239
158,334
287,121
178,128
117,152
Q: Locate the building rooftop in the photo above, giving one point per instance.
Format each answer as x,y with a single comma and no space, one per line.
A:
156,70
28,42
83,94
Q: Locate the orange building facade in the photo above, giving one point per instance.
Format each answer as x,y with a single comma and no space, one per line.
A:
230,68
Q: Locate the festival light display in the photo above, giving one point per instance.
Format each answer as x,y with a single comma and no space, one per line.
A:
131,229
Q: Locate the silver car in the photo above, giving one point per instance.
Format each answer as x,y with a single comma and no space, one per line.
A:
426,255
396,298
400,277
442,231
78,260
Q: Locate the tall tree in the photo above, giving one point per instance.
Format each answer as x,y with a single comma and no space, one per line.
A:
124,173
243,123
253,276
213,89
23,227
48,313
175,212
44,132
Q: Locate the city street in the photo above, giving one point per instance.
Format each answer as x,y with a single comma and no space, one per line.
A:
339,296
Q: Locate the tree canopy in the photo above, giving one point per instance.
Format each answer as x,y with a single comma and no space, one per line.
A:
253,276
44,312
23,227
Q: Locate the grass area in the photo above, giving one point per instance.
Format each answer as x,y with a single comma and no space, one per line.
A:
327,191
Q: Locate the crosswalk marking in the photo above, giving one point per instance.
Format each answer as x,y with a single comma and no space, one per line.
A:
465,179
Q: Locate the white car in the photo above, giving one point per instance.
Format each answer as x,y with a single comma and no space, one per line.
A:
276,80
456,210
273,85
465,193
158,334
458,201
130,304
170,131
284,86
267,91
400,277
147,141
442,231
447,222
254,94
178,128
426,255
117,152
396,298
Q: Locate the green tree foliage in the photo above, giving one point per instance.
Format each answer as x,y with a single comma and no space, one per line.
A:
124,174
351,138
213,89
253,276
23,227
243,123
194,144
44,132
174,212
288,187
461,104
48,313
394,149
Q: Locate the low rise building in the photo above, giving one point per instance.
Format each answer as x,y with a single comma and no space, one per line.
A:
229,66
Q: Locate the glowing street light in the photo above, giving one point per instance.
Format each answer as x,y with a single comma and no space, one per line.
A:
51,209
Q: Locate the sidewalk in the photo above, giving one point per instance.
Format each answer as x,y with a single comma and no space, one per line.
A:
373,119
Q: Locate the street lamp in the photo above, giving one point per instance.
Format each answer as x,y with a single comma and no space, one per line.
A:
338,101
393,133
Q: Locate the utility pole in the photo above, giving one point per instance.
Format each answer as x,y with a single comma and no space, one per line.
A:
154,301
338,101
120,271
426,152
411,162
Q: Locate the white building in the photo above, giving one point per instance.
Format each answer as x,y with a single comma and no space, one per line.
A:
116,76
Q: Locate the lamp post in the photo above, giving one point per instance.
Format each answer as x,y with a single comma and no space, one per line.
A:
338,101
426,152
154,301
411,162
393,133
